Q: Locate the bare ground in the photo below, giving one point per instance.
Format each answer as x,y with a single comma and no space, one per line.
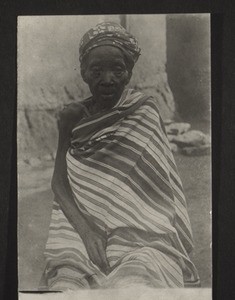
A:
35,200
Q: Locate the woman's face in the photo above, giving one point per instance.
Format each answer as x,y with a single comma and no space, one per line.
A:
106,74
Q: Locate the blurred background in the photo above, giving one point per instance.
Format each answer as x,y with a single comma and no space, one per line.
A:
174,66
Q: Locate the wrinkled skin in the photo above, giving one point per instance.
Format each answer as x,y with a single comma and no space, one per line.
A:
106,74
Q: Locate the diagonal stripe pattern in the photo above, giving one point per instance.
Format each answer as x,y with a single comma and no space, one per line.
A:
124,178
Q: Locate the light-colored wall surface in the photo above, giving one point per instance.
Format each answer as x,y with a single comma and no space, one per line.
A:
150,71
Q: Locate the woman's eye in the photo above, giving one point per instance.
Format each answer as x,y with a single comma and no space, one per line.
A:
118,71
96,72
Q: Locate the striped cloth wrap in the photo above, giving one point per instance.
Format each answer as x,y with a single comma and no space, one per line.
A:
124,179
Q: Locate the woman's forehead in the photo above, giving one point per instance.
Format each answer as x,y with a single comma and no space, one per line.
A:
105,53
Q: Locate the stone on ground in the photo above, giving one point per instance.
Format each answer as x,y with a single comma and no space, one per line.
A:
177,128
193,138
196,151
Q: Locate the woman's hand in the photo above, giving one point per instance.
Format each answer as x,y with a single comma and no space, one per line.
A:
96,248
69,116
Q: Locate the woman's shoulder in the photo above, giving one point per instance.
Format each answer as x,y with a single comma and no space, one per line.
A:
150,101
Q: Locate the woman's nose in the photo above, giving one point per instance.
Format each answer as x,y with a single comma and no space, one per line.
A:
107,77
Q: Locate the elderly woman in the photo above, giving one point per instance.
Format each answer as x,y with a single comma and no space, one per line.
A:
119,217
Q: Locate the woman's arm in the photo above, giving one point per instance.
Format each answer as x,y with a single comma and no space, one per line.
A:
94,242
62,189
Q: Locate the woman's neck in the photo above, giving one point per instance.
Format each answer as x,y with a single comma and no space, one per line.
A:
97,106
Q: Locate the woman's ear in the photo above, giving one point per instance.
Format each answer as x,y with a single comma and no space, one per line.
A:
128,77
83,74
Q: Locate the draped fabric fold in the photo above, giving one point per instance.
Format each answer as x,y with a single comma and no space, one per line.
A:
124,179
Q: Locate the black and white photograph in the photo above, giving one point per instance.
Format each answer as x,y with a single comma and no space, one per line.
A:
114,156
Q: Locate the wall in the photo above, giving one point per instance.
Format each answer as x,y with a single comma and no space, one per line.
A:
188,64
150,71
48,71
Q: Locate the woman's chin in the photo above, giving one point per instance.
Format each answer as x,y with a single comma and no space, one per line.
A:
108,100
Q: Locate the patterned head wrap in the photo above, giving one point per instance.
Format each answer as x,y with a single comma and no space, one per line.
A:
110,34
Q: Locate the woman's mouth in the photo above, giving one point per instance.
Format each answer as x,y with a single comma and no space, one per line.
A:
108,95
107,90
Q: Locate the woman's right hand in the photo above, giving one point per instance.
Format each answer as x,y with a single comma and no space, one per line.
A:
96,248
69,116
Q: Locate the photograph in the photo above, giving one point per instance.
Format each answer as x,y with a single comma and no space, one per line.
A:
114,156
